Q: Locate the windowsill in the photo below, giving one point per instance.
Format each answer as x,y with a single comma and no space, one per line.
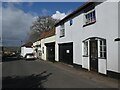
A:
85,56
101,58
89,24
61,36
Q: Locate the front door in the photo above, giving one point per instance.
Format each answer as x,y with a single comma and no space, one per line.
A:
93,55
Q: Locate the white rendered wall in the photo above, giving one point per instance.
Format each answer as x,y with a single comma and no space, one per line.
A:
119,37
42,45
106,27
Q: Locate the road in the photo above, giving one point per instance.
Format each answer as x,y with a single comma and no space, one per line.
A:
44,74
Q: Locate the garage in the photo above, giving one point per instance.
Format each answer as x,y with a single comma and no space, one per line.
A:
66,53
50,51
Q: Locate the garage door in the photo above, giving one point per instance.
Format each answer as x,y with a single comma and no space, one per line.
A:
66,53
50,54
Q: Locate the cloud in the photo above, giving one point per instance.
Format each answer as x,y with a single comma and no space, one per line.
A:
45,12
30,4
68,12
58,15
15,24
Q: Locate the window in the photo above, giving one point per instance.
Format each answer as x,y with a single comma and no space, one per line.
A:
103,49
71,22
86,48
62,30
90,17
40,53
43,50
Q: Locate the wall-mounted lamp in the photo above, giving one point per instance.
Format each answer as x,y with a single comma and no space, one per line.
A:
117,39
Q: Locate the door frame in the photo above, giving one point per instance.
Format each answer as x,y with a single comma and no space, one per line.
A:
86,58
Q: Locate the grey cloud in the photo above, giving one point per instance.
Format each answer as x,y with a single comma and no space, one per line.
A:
15,24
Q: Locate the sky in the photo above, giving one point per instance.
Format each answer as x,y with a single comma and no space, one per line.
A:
17,17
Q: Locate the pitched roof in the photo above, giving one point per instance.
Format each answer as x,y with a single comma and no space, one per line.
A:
48,33
29,44
74,13
86,4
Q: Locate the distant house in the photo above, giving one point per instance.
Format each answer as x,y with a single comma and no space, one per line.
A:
89,37
48,45
44,47
26,48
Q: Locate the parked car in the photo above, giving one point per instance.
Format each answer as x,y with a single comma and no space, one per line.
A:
29,56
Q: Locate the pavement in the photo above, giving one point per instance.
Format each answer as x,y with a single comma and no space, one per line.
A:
44,74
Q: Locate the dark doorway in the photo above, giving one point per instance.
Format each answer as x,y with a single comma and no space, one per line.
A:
50,51
66,53
93,55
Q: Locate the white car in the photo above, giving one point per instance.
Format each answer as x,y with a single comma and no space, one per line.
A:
29,56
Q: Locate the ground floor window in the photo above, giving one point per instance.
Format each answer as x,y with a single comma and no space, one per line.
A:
103,49
85,48
43,50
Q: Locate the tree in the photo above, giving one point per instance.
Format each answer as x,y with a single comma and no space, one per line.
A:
42,23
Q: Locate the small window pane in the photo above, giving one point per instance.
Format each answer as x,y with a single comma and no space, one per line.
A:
104,42
71,22
100,54
100,48
86,48
104,54
43,50
104,48
100,42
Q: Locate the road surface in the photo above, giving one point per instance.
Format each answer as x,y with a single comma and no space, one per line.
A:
44,74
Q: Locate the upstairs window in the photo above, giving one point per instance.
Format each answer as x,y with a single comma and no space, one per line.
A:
90,17
71,22
103,49
62,30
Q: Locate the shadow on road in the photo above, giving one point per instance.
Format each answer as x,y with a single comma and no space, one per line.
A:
8,59
32,81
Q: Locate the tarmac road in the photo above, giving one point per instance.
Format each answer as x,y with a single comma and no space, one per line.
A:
44,74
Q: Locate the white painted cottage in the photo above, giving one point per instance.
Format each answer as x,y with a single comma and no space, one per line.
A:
48,45
89,37
44,47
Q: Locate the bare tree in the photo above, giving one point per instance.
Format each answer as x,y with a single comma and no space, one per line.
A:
42,23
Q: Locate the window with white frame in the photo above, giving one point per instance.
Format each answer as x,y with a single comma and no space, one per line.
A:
103,49
43,50
90,17
85,48
62,30
71,22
